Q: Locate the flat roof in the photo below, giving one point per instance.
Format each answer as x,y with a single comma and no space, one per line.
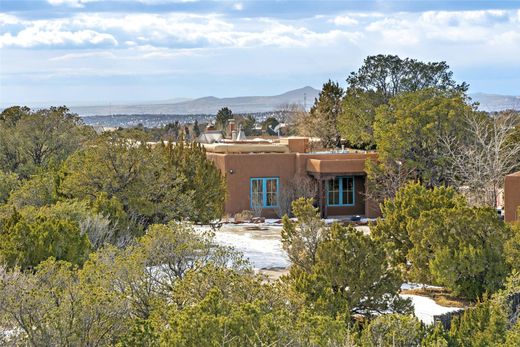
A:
246,148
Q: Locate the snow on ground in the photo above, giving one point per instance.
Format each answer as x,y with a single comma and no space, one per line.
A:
410,285
425,308
261,244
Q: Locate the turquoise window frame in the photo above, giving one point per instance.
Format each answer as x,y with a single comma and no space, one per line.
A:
340,178
264,191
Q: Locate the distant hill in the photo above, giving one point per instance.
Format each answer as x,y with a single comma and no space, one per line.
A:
207,105
496,102
254,104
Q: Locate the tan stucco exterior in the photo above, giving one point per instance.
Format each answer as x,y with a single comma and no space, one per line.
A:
239,168
512,197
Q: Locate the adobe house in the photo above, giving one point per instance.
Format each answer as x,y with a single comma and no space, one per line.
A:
512,197
255,171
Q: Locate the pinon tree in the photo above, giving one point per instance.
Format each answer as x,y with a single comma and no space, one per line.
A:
408,134
462,248
351,276
393,330
436,237
196,129
322,120
339,270
378,80
25,243
31,140
512,247
485,324
8,183
301,239
393,230
223,116
155,185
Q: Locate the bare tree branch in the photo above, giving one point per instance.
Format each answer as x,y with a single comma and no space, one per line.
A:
479,161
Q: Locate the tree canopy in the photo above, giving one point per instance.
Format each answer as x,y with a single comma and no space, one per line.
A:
390,75
155,185
378,81
408,132
322,120
435,237
338,270
30,140
222,118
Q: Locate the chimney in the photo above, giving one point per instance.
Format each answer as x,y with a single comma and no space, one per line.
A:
231,128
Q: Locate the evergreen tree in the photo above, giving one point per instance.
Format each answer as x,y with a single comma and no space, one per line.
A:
512,247
222,118
301,239
31,140
8,183
269,124
378,80
408,133
351,276
248,125
461,248
485,324
196,129
393,229
39,190
155,185
394,330
26,243
322,120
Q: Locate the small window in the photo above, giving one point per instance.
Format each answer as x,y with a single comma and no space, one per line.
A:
264,192
340,191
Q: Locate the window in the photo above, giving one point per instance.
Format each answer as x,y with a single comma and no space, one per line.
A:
340,191
264,192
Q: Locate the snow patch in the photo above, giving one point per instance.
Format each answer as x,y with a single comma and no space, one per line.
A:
425,308
260,244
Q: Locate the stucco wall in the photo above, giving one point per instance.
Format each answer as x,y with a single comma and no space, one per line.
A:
301,158
512,197
239,168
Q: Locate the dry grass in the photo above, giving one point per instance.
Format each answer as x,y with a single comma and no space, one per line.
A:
440,295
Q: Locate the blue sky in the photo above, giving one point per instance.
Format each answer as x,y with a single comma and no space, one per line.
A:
96,52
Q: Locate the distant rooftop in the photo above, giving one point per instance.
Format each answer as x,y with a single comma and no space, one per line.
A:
291,144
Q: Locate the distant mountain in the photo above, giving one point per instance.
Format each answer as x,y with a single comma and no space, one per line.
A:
207,105
254,104
496,102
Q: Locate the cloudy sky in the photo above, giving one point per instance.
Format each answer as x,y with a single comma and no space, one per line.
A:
93,51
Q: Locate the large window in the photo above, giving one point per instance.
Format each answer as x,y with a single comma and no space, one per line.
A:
340,191
264,192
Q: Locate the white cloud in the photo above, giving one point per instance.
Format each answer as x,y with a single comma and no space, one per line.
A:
75,56
48,36
171,30
448,27
6,19
464,18
71,3
151,2
445,33
344,21
238,6
81,3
